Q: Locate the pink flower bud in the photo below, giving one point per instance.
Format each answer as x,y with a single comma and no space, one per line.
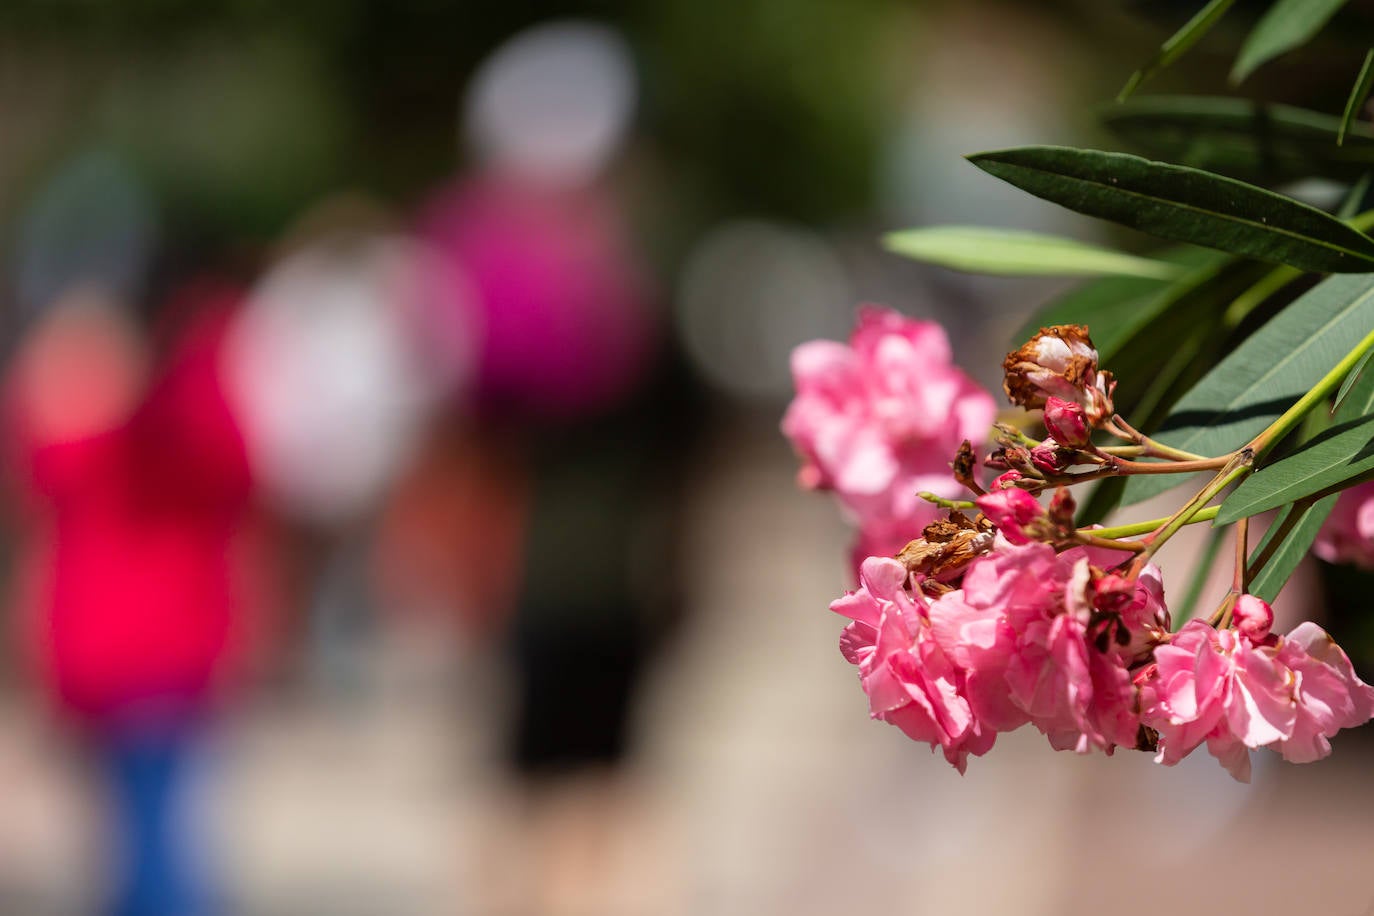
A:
1066,422
1011,511
1049,457
1062,509
1007,480
1253,618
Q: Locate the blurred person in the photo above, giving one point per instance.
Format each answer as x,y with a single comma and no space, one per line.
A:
134,476
568,368
334,374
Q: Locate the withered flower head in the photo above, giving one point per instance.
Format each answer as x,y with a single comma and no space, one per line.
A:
946,547
1061,362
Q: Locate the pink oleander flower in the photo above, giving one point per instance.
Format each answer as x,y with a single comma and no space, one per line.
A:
1242,689
1327,694
878,420
1348,534
909,680
1022,630
1216,687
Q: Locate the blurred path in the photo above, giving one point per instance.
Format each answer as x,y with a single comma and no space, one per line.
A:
762,787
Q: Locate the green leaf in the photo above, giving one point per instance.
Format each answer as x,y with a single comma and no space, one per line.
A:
1186,205
1176,44
1009,252
1358,401
1245,139
1350,380
1287,24
1329,461
1358,93
1265,375
1115,307
1268,581
1354,198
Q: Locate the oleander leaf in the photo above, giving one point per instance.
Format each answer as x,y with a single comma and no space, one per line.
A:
1012,252
1359,400
1264,375
1286,25
1114,308
1246,139
1185,205
1351,380
1328,462
1176,44
1268,580
1358,93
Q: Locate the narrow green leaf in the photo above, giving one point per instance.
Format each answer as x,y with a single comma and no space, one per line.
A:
1010,252
1358,401
1286,25
1268,581
1350,380
1176,44
1338,455
1115,307
1254,141
1354,198
1186,205
1358,93
1265,375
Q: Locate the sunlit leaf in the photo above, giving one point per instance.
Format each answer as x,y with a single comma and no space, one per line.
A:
1286,25
1337,456
1351,379
1265,375
1010,252
1186,205
1115,307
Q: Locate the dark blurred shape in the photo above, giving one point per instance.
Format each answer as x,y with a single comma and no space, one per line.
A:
92,225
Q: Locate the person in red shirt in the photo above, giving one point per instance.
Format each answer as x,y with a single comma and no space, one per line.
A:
136,485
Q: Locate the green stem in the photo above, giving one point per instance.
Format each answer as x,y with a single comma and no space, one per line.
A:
1090,539
1265,287
1137,528
1293,416
1170,467
946,503
1236,468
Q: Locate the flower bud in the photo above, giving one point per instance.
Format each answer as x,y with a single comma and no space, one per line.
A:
1066,422
1062,509
1006,481
1253,618
1051,458
1012,511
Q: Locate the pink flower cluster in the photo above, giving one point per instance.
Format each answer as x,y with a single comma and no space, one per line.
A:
1348,535
878,420
1245,688
1030,635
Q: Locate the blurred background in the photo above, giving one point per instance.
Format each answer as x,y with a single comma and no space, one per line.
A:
397,520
